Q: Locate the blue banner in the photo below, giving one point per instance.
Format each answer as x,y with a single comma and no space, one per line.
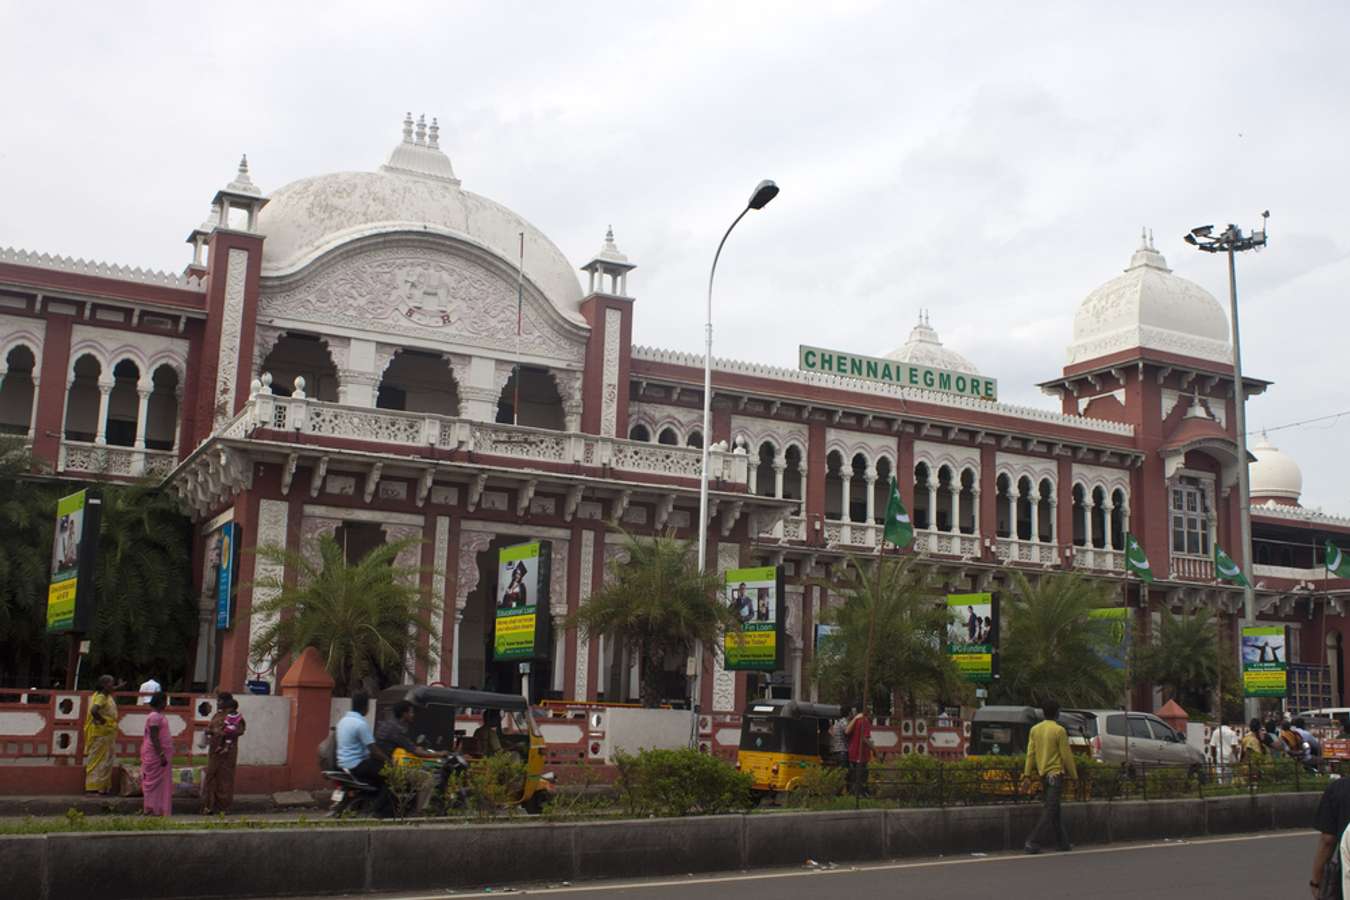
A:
225,574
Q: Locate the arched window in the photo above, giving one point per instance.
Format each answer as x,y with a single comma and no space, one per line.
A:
419,382
834,485
1045,512
1117,519
83,400
881,491
161,425
1003,507
668,437
1098,517
944,499
540,404
764,473
1025,497
639,433
923,515
857,494
792,474
123,405
1080,514
298,355
695,439
17,392
969,512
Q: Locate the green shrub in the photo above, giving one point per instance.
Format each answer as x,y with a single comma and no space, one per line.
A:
407,785
819,786
680,783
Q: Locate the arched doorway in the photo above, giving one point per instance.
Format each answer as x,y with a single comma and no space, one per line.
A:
83,400
299,355
421,382
475,667
540,404
17,392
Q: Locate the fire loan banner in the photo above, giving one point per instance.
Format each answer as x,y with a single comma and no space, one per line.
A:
972,635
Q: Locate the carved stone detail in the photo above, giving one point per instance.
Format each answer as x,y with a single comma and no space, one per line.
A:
557,581
609,403
440,600
583,592
471,543
231,327
724,682
272,521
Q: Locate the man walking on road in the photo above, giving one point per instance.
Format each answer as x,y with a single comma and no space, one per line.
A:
1049,758
1333,814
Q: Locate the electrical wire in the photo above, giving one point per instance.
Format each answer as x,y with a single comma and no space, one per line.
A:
1298,424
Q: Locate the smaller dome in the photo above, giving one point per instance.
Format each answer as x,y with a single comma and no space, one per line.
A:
925,349
1274,475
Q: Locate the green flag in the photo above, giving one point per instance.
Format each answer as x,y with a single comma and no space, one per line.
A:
1337,564
1227,570
899,530
1136,563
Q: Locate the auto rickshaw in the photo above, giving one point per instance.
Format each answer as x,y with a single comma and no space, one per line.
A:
781,740
442,722
1003,730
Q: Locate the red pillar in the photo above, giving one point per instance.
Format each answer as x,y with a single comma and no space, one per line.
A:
51,393
310,689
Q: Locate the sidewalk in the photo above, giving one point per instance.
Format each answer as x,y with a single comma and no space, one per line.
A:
245,805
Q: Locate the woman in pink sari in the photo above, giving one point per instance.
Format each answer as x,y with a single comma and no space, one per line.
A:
156,761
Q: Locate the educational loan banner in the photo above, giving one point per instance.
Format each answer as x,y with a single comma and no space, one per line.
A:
1115,622
972,635
520,633
70,594
756,596
1263,661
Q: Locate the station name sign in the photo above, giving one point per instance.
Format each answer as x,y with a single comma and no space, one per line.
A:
872,368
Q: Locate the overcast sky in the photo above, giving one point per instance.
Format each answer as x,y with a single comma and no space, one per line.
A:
990,162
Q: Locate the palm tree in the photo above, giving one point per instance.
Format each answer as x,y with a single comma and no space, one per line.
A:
658,604
27,514
890,636
368,620
1183,658
1052,648
145,613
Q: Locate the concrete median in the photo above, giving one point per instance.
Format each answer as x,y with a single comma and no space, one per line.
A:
275,862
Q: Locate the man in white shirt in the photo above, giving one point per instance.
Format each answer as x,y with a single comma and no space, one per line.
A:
1223,744
149,688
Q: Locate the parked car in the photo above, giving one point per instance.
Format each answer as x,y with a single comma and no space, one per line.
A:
1137,739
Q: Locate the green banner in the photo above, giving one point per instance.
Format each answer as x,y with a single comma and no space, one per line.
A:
522,588
1264,662
972,635
755,595
1117,648
62,592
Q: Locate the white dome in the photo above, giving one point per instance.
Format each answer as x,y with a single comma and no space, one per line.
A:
924,349
1274,474
416,190
1150,307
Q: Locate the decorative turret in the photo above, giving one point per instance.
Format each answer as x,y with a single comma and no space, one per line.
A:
240,195
609,262
419,153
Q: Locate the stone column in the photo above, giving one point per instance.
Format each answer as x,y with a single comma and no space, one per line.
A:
101,432
1107,508
1034,501
33,409
954,490
142,414
1054,501
932,502
845,497
1090,510
801,471
870,479
1124,524
779,466
975,511
177,417
751,482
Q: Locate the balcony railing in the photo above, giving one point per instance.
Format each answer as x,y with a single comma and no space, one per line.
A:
124,462
1101,559
1033,552
1291,573
305,415
1192,568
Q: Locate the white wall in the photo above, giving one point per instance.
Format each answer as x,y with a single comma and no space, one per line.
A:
269,726
631,730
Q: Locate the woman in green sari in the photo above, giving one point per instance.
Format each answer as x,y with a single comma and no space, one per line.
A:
100,731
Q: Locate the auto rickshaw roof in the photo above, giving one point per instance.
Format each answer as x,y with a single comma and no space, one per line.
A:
1028,715
793,709
422,695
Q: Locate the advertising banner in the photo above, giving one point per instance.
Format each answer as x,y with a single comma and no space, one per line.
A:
70,594
1116,622
756,595
225,548
1264,662
522,620
972,635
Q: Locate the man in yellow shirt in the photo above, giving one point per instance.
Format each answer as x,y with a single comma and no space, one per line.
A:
1049,757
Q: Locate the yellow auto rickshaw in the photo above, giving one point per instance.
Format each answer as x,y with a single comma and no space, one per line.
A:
436,712
781,740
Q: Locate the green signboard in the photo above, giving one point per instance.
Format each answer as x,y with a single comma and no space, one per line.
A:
521,630
890,371
1264,662
972,635
756,596
1115,649
70,594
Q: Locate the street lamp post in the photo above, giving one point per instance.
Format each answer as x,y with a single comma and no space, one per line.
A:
1232,241
764,192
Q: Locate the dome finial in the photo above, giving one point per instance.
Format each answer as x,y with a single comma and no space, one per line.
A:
1143,237
407,128
1151,245
434,134
242,183
421,130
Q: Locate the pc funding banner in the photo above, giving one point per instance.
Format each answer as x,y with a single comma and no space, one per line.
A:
70,596
1264,664
520,632
756,596
972,635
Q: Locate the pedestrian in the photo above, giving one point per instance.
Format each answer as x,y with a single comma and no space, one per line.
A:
149,688
1049,758
157,761
859,733
1329,868
222,754
1223,748
839,738
100,736
1253,746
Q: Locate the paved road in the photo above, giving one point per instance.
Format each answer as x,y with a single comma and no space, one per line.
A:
1234,868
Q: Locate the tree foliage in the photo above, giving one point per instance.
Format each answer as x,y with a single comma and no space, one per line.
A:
369,620
890,606
1051,648
658,604
1183,659
27,514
